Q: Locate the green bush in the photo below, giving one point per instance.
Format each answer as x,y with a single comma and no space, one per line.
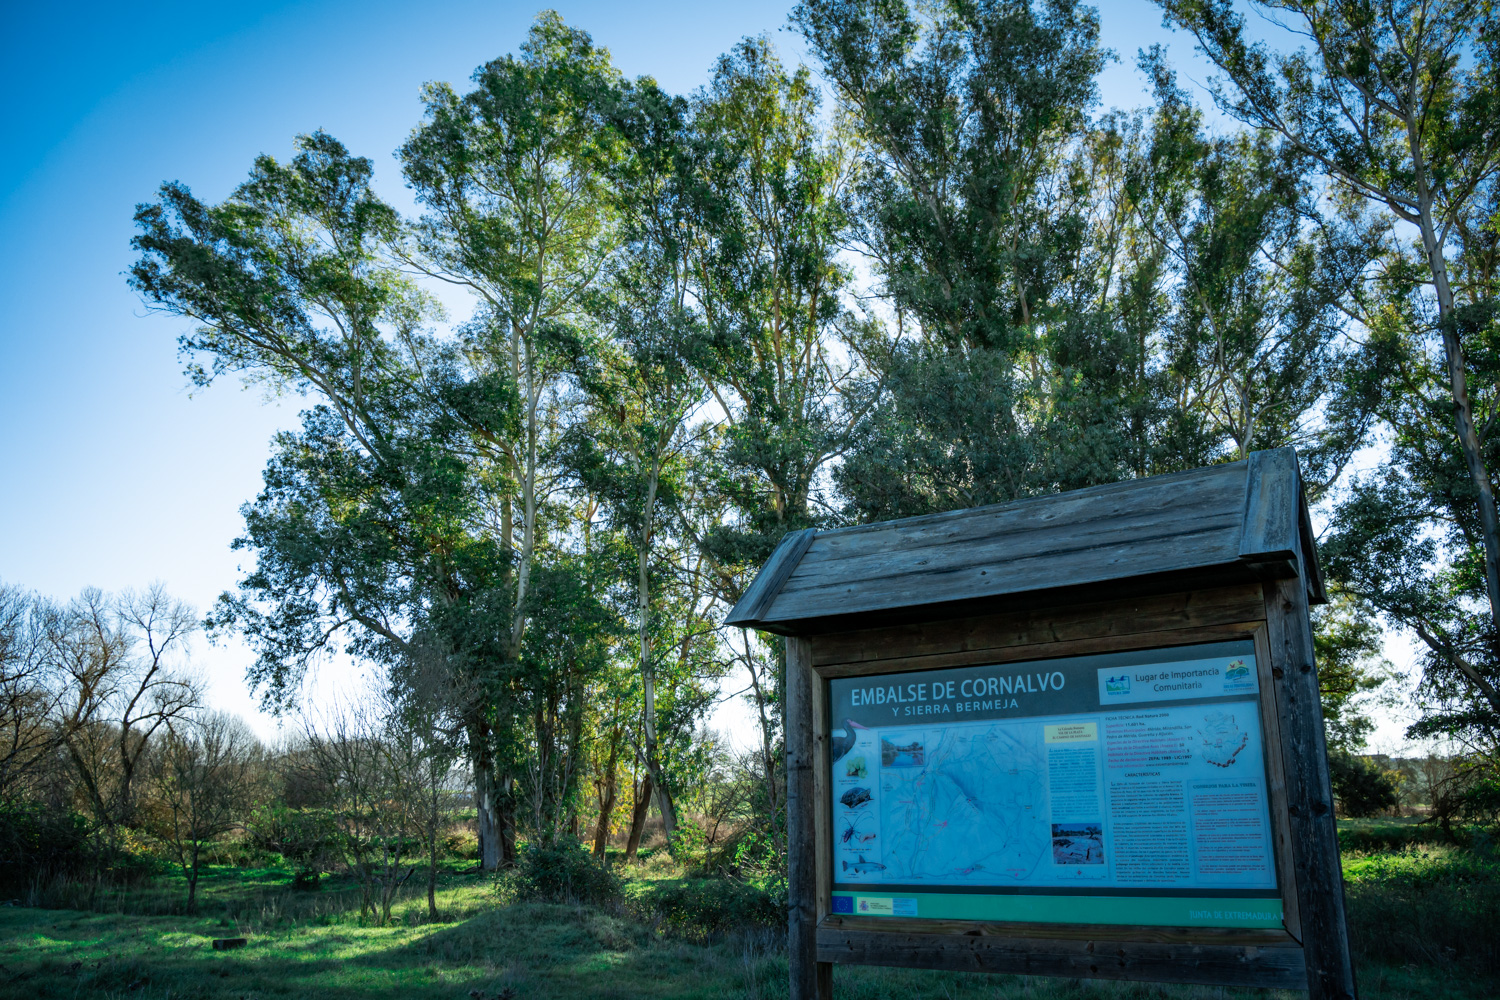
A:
704,907
38,843
1362,787
461,843
1430,906
567,873
305,838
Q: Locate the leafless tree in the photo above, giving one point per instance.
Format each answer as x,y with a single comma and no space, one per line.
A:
118,661
374,795
208,775
29,692
429,736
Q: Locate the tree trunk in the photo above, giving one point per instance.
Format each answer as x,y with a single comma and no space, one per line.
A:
432,852
506,813
638,817
486,802
192,902
607,795
648,668
1453,355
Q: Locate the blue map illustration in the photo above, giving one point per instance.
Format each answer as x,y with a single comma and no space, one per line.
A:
964,804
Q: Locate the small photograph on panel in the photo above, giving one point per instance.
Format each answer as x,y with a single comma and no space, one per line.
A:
844,739
855,768
1077,844
906,750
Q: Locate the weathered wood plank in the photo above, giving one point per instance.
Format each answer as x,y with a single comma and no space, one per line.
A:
1246,519
801,825
1272,507
1281,830
1040,651
1170,961
1304,753
1309,568
1158,613
976,569
1221,485
1008,528
822,795
757,600
997,541
1139,557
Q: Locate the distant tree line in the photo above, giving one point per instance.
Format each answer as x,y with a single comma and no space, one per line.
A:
930,275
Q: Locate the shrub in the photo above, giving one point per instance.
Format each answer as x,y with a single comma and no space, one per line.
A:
704,907
1362,787
240,852
461,843
566,873
38,843
1431,906
305,838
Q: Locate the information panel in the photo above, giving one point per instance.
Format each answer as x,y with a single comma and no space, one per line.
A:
1123,788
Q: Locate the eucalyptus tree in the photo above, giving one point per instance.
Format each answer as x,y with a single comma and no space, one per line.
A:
373,528
1254,340
634,369
513,178
969,115
1397,103
769,279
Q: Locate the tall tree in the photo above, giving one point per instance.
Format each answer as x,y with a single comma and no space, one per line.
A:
1397,103
512,175
768,278
373,521
643,392
970,114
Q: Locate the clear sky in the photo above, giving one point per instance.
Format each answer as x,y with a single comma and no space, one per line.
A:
111,474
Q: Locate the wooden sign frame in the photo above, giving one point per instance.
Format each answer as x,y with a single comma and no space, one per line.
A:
1274,616
1310,951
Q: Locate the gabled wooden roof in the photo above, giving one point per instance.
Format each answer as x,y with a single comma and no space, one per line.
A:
1222,524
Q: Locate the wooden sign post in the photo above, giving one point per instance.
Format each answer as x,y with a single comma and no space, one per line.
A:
1074,736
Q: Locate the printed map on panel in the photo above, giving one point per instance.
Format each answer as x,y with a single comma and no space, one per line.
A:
986,782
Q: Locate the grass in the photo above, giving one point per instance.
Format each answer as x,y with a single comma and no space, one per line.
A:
136,944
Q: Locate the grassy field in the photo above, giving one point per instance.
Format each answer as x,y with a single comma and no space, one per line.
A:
312,944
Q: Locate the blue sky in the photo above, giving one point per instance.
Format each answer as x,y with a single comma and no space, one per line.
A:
111,474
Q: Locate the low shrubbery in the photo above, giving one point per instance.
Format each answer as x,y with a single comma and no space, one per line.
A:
703,908
1430,905
566,873
39,844
657,890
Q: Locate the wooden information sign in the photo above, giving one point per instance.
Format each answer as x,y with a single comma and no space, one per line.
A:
1074,736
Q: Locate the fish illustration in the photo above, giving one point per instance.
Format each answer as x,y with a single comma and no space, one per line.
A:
855,797
863,867
841,741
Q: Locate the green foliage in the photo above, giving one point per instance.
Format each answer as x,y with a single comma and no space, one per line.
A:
1434,905
562,873
1395,109
306,838
1347,644
39,843
704,908
1361,786
534,519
